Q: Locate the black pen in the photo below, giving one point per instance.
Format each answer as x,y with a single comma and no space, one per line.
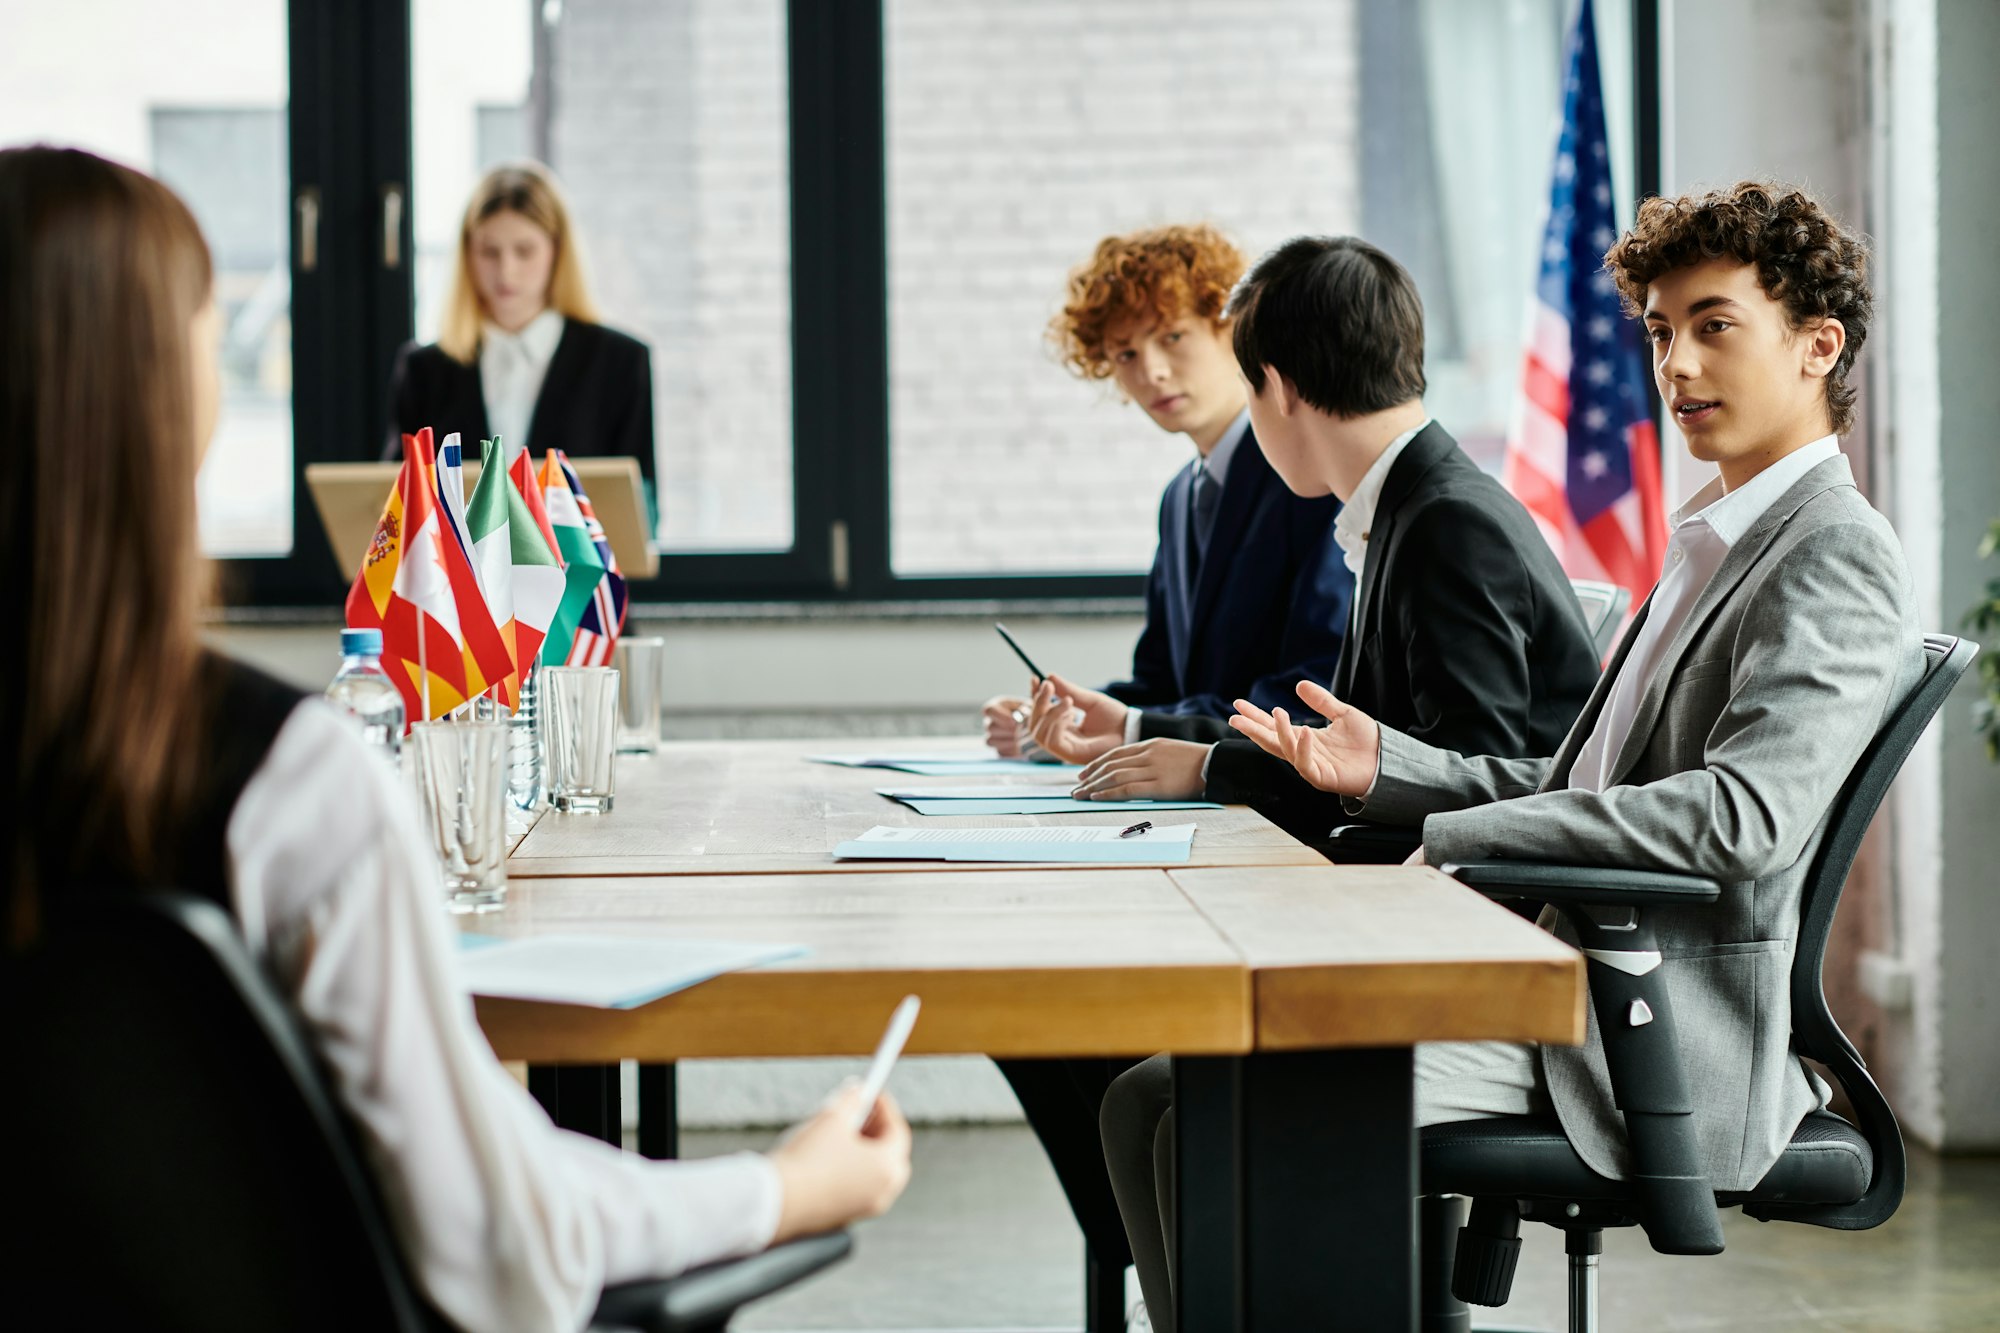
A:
1139,827
1025,659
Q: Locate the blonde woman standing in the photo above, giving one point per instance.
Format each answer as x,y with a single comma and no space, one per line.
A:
521,353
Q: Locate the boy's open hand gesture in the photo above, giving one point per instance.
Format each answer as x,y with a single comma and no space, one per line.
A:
1340,757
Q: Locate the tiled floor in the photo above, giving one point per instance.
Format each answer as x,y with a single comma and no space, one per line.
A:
983,1241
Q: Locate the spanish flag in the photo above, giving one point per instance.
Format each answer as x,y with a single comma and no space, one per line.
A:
404,590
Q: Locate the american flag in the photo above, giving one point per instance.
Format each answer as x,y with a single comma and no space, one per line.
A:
1584,455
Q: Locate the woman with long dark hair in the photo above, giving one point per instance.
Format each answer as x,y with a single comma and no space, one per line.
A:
140,759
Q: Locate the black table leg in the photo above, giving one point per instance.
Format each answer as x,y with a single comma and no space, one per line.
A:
1209,1222
1103,1294
580,1097
1297,1184
659,1112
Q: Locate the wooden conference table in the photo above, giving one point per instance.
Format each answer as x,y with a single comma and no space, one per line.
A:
1290,991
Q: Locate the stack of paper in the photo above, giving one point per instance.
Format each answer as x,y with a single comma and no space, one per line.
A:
602,972
1087,845
948,764
1020,799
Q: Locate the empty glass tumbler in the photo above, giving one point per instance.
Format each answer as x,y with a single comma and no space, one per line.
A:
579,708
461,779
641,664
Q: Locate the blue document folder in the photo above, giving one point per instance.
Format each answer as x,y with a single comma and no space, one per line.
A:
1094,844
600,971
1043,805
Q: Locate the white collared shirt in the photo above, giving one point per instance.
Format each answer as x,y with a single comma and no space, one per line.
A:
511,369
1357,516
1217,462
507,1222
1712,521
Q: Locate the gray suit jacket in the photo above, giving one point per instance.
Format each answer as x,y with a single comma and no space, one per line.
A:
1781,675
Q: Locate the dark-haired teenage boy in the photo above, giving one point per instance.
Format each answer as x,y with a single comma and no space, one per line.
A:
1465,632
1465,629
1781,632
1247,594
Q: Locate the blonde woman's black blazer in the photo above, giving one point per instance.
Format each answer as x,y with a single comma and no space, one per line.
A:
596,400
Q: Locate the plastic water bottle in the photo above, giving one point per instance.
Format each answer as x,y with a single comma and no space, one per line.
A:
524,749
363,690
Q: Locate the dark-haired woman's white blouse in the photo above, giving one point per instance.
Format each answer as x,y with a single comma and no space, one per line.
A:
508,1222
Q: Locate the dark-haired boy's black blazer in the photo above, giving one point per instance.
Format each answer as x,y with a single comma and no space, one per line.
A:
596,399
1467,634
1267,609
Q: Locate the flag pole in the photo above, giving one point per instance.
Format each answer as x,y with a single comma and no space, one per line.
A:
424,663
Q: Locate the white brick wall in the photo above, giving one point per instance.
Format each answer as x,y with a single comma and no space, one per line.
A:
1019,134
669,130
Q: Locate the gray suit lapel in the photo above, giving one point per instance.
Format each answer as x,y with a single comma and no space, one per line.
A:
1741,558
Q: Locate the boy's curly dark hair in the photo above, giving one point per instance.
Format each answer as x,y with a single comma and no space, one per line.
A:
1805,260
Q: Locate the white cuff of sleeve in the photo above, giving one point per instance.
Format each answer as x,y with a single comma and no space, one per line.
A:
1132,725
1206,759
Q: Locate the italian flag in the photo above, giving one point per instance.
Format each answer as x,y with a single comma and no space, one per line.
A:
517,570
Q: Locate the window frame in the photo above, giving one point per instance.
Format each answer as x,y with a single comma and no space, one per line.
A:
350,136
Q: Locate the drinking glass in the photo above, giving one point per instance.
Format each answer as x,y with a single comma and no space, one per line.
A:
641,663
579,707
461,778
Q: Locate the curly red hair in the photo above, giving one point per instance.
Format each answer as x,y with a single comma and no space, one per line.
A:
1162,273
1805,260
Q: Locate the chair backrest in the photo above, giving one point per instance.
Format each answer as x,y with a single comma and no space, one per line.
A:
1603,610
1814,1032
181,1164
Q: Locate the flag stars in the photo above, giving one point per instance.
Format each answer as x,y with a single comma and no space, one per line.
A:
1595,465
1595,418
1602,194
1598,372
1602,237
1565,167
1600,328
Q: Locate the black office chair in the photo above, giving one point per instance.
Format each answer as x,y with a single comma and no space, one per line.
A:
1834,1173
1363,844
1603,611
176,1161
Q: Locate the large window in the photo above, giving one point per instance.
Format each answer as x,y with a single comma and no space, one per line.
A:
194,93
842,228
1020,134
666,126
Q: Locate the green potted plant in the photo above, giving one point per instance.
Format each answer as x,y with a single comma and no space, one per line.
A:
1985,616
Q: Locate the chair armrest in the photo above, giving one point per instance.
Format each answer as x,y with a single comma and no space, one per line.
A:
1585,885
1372,844
705,1298
1635,1021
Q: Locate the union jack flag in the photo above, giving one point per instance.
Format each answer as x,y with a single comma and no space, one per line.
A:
1584,454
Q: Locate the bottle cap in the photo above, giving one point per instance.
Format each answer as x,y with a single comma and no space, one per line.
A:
361,643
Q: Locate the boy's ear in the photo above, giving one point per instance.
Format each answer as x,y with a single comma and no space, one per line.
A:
1283,390
1823,346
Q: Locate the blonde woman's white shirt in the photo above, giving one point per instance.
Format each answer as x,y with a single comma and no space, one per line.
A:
507,1222
512,367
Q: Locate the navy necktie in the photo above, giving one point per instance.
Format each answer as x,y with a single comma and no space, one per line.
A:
1203,500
